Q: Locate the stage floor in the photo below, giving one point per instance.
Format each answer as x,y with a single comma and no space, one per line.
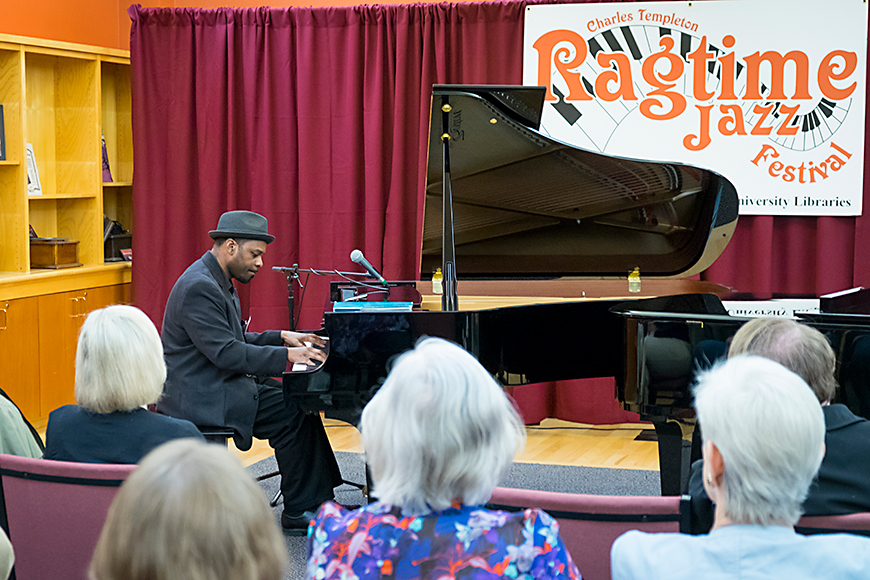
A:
552,442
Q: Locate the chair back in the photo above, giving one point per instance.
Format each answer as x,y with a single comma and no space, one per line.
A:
54,511
857,523
589,524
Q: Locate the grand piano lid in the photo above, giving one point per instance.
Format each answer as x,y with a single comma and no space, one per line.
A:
529,206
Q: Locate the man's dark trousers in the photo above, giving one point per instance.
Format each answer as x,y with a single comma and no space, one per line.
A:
289,431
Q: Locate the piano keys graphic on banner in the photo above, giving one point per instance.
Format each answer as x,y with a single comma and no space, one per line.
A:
771,99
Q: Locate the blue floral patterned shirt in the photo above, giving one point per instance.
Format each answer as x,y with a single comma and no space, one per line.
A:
461,542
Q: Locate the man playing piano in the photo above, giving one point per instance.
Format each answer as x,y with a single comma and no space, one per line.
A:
217,373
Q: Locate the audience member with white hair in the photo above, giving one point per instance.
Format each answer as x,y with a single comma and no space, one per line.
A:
119,371
843,482
439,435
763,436
190,511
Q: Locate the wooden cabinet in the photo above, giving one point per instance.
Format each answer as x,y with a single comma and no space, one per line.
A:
19,338
60,99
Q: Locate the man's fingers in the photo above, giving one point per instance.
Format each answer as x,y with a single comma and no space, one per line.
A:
316,354
314,339
305,354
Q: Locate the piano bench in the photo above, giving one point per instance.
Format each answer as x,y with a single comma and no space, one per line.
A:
219,435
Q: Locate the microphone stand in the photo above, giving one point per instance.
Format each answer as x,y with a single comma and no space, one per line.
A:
292,274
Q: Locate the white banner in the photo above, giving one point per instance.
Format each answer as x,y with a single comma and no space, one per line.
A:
769,93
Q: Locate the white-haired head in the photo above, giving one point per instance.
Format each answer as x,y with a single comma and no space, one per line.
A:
439,430
190,511
119,361
770,431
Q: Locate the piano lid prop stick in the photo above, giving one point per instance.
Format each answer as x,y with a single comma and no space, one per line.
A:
449,298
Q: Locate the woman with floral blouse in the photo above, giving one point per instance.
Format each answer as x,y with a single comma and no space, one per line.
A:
439,435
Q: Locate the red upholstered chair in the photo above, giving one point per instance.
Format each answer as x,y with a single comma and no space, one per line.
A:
53,511
858,523
588,524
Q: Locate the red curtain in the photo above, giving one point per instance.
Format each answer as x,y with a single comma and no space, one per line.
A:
315,117
318,119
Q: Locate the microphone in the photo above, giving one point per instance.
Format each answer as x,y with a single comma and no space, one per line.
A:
358,257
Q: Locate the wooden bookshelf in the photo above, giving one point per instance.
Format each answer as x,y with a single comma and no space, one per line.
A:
59,97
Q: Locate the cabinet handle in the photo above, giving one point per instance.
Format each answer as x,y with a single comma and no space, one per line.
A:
3,316
79,306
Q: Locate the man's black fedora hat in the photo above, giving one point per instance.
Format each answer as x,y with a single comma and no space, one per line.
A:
242,224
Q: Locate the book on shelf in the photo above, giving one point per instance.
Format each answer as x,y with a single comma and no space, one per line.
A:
107,172
33,185
2,136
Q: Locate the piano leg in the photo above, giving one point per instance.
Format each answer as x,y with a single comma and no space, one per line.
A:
675,454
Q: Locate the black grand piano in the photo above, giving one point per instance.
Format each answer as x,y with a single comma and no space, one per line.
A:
512,213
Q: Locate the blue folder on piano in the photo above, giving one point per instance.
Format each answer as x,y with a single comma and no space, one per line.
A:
372,306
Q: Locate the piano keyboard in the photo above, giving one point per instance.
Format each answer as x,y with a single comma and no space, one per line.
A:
308,367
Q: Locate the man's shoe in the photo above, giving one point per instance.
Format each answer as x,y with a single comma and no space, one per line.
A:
296,525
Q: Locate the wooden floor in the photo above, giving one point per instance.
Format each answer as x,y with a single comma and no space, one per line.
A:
552,442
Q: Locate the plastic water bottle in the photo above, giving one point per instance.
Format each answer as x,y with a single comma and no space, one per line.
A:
634,280
437,278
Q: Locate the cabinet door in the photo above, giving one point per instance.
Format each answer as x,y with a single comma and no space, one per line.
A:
19,354
60,318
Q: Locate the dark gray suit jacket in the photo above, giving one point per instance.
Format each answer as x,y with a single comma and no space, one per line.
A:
76,434
211,363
